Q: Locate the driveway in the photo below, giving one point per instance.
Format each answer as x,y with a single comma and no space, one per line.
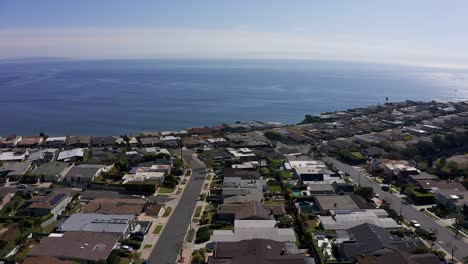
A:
173,235
445,239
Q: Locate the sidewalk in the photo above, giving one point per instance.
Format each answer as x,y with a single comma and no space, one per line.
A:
151,239
189,247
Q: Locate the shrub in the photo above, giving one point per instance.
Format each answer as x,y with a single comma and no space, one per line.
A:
202,235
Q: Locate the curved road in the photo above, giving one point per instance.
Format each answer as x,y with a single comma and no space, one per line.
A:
165,251
445,239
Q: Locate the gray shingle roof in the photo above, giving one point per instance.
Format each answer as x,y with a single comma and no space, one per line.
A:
97,223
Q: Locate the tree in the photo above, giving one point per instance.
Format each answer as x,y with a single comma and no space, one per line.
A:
434,233
365,192
180,249
274,136
437,141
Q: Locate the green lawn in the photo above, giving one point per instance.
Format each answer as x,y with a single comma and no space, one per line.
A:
202,197
166,190
274,189
190,235
158,229
357,155
198,211
208,177
167,212
454,230
147,246
286,175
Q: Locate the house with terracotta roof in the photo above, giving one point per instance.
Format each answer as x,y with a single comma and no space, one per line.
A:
244,211
10,142
30,142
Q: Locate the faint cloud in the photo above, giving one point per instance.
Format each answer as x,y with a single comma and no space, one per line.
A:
241,42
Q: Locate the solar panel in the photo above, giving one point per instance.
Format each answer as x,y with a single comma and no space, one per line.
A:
57,198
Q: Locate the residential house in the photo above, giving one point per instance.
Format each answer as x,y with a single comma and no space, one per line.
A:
257,251
39,156
14,170
433,186
242,154
6,193
107,141
79,141
83,173
53,203
14,155
99,223
451,199
120,206
238,195
245,211
150,141
400,257
10,142
325,203
155,150
371,240
254,229
55,142
148,173
51,172
30,142
343,187
345,219
71,155
80,247
200,130
170,141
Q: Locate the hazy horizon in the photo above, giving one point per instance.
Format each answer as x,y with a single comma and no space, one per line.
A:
421,33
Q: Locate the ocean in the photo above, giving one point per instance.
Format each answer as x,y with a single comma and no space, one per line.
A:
115,97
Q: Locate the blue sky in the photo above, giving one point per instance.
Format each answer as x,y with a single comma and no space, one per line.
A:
423,32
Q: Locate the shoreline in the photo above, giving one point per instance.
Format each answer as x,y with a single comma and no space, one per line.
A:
253,127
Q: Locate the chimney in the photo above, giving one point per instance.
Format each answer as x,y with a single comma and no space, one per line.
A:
334,205
282,252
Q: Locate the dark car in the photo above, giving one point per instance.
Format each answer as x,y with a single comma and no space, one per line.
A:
138,233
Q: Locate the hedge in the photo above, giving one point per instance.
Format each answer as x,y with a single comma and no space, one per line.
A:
420,198
202,235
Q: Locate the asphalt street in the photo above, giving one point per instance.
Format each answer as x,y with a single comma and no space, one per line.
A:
446,239
173,235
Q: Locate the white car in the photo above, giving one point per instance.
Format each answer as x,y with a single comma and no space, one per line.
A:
126,248
415,224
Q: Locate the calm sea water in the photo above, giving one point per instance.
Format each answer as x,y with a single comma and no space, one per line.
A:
130,96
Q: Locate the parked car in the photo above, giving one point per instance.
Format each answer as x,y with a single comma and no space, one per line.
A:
126,248
385,188
415,224
138,233
22,186
137,238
